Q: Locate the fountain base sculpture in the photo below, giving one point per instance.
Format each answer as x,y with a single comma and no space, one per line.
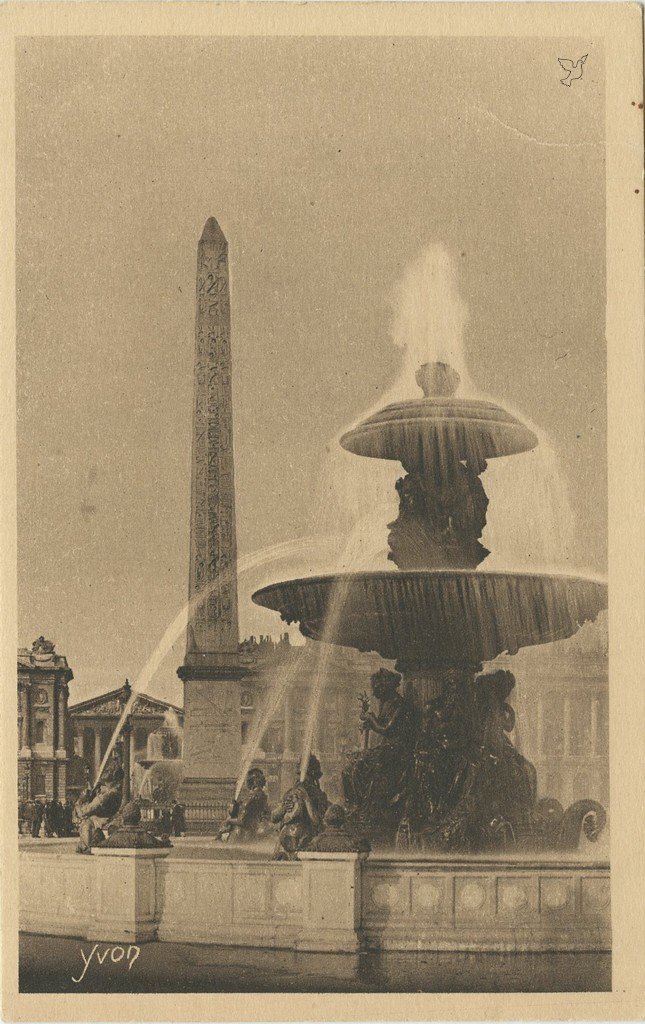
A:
130,834
97,806
446,777
337,836
301,812
376,781
248,819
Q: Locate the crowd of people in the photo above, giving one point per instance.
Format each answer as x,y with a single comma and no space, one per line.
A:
171,820
44,819
52,818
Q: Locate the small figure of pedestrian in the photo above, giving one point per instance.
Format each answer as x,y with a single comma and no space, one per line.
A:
178,818
69,816
39,811
28,817
165,825
59,819
49,814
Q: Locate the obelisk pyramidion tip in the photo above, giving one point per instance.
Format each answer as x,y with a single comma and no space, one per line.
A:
212,232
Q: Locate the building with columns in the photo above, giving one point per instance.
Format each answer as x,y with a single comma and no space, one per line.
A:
562,705
43,691
93,723
347,673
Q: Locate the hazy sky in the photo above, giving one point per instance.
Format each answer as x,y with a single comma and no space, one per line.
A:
330,165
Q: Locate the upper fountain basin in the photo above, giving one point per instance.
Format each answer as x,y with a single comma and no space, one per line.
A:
429,431
441,617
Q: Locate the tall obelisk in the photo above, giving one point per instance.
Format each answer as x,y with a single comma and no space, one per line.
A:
211,672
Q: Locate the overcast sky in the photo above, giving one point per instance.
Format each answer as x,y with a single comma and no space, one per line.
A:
330,165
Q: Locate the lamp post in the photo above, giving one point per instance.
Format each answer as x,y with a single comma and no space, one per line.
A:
126,692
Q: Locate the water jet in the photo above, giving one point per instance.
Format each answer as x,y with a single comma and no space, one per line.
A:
463,786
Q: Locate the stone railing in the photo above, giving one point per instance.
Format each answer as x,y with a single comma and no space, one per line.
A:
342,902
204,814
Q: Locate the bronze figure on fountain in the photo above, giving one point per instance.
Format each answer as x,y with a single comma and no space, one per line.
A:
98,804
248,818
375,780
471,790
300,813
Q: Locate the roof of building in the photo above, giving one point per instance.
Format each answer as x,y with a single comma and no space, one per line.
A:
110,705
43,658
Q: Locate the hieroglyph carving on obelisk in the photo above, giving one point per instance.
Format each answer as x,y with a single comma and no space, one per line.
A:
213,623
211,672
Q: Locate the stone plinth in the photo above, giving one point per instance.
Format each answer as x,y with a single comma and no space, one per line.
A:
332,899
212,736
125,895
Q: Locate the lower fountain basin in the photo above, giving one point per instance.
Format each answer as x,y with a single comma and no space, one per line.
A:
437,617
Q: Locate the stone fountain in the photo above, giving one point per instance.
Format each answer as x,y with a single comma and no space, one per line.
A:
450,779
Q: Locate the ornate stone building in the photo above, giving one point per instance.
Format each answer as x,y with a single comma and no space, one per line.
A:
93,722
562,704
347,674
43,678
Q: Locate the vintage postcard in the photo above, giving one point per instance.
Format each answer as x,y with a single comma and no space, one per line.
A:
323,566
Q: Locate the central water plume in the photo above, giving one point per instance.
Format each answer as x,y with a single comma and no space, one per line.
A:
429,319
428,324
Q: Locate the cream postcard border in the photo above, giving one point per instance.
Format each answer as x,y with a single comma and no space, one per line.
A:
619,27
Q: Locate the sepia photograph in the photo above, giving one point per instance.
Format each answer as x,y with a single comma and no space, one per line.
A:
313,470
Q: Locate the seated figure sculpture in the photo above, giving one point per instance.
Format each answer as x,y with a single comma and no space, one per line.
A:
375,780
248,819
301,812
98,805
129,833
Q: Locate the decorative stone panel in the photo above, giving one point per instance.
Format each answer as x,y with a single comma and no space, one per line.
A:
336,902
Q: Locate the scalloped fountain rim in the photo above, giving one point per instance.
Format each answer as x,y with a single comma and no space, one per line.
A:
393,429
437,616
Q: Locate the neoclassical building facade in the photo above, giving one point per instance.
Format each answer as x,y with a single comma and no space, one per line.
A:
93,721
43,692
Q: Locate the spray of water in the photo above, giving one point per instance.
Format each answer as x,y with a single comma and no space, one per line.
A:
165,775
245,564
531,525
429,318
353,556
270,708
356,552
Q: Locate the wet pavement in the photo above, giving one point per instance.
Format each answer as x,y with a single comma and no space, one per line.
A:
50,964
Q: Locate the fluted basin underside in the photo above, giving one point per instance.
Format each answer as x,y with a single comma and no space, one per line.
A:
437,617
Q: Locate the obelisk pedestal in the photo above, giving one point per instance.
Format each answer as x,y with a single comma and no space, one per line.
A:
212,671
